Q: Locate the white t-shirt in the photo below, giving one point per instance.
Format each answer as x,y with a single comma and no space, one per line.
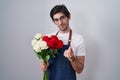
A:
77,42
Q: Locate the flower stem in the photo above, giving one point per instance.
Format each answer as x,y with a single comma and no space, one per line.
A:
45,77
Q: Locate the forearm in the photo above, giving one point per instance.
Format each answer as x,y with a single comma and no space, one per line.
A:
78,64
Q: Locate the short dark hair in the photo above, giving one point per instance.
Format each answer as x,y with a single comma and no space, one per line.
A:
59,8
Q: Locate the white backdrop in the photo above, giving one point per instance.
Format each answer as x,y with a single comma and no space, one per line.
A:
97,20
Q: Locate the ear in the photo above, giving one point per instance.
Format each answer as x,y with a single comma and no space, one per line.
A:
69,17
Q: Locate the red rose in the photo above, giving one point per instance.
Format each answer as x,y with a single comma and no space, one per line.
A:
60,44
53,42
45,38
54,38
50,43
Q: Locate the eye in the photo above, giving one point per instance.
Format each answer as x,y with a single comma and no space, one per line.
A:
55,20
62,17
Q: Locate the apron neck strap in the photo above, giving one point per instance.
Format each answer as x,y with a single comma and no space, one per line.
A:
70,36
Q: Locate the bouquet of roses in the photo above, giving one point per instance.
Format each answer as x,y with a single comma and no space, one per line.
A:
46,47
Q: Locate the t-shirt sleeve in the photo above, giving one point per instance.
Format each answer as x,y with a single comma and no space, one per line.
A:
80,46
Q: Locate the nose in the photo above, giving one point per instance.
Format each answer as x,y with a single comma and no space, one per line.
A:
60,22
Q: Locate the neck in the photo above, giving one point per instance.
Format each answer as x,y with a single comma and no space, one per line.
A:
65,31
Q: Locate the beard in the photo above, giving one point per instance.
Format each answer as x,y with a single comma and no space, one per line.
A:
63,27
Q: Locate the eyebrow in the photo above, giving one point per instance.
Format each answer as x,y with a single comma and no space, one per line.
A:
59,17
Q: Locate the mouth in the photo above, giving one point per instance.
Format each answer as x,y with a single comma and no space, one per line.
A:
62,25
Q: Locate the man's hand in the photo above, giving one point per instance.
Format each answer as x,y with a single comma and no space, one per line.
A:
43,66
69,54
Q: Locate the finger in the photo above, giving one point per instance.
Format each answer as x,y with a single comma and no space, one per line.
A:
70,52
43,67
69,55
42,64
70,49
65,53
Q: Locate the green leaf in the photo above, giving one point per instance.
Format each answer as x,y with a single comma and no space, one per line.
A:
47,57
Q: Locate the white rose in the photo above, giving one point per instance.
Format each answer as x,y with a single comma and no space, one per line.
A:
42,44
38,36
34,41
37,48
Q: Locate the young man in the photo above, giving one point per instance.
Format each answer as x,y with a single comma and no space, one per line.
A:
71,57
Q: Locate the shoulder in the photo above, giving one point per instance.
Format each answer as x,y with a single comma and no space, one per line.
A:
78,44
52,33
77,37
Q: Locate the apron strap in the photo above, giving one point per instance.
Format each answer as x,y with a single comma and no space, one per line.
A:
57,33
70,36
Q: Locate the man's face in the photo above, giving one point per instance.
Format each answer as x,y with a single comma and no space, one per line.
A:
61,21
